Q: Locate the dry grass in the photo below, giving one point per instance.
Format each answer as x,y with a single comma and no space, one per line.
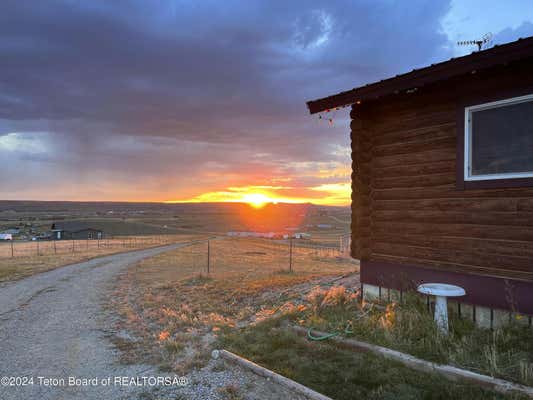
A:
34,257
170,298
341,373
177,313
249,259
346,374
50,247
506,352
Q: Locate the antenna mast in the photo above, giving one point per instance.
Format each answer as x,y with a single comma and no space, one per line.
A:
486,39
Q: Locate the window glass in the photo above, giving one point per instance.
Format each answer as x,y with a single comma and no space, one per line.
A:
502,139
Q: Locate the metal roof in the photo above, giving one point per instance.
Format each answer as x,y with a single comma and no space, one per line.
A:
497,55
73,226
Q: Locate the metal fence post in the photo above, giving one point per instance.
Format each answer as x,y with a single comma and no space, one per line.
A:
12,250
208,255
290,254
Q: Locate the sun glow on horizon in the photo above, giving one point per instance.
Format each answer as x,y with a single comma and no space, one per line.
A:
337,194
257,200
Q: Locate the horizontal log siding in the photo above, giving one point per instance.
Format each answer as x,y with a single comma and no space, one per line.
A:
361,158
412,212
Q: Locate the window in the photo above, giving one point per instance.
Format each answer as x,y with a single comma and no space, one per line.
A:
499,140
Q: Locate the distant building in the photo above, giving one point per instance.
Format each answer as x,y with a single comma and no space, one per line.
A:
301,235
324,226
11,231
6,236
267,235
233,234
75,230
45,236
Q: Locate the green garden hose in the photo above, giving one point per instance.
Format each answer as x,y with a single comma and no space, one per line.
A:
319,338
347,330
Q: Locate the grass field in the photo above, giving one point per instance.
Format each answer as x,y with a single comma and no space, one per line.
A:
39,256
120,219
340,373
137,225
176,309
177,313
346,374
505,353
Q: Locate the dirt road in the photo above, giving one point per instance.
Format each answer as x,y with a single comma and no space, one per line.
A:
55,325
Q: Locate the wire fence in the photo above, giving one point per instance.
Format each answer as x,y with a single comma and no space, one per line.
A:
15,248
215,257
242,255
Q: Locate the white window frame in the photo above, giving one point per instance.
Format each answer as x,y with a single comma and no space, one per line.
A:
468,140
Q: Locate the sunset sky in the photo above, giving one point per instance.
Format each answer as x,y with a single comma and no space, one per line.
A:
205,100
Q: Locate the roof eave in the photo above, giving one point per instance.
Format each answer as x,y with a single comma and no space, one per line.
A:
498,55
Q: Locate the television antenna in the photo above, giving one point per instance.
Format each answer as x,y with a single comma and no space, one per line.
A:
485,41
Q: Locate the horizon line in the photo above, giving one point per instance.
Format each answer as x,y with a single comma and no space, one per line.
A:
167,202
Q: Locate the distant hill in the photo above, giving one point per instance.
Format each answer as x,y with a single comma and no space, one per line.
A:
21,206
162,218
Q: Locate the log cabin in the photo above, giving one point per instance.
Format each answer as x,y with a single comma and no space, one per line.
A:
442,180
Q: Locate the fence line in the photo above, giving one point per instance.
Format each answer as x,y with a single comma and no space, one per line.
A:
15,248
208,256
204,255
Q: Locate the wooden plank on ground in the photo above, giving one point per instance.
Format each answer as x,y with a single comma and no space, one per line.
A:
266,373
447,371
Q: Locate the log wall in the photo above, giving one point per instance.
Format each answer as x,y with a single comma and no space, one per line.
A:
407,208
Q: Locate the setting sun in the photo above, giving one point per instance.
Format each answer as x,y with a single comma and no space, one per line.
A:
257,200
257,196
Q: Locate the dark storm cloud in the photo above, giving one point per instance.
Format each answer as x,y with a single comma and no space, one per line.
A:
182,68
160,88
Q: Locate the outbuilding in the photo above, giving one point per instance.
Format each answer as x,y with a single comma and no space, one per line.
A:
75,230
6,236
442,180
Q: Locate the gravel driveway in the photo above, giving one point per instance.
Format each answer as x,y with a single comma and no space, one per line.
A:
54,325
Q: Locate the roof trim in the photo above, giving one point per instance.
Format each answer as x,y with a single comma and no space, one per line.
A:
497,55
